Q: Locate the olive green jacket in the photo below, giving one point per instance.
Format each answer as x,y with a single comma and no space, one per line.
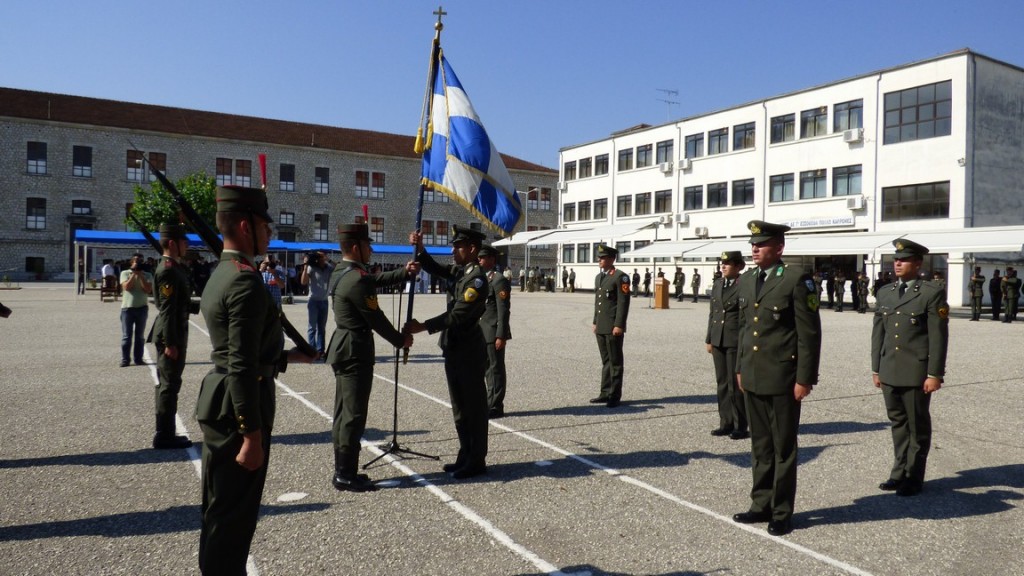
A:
611,301
467,297
910,335
724,318
497,309
357,315
173,297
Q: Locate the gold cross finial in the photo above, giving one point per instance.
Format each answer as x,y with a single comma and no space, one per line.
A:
439,13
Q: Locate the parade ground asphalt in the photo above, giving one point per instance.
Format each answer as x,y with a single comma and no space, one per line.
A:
572,487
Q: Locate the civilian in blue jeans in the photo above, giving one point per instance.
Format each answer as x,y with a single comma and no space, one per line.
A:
316,272
137,285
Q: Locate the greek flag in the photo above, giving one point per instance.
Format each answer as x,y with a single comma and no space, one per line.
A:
460,160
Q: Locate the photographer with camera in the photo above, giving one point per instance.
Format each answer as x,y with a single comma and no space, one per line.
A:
136,285
316,272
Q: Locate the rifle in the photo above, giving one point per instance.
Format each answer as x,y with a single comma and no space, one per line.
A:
216,245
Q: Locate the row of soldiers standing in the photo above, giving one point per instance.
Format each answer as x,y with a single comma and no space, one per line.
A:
1005,289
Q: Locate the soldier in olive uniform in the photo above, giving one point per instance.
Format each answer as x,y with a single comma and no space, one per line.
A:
352,291
235,408
995,292
976,288
777,365
611,310
863,284
695,284
1012,283
677,283
840,289
462,340
909,338
170,333
495,324
721,341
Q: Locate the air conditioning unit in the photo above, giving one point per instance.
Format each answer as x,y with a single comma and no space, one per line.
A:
701,231
562,187
855,203
853,136
665,167
666,218
683,218
684,164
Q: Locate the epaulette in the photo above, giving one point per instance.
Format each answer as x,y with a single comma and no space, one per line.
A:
243,267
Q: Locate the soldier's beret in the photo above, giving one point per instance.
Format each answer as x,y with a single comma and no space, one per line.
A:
908,248
243,199
603,250
761,231
488,250
172,232
353,232
467,235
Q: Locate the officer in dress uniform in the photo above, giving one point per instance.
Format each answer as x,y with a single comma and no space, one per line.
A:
235,408
721,341
777,365
170,332
840,289
352,291
695,284
611,310
462,340
909,338
495,325
976,288
863,283
1012,283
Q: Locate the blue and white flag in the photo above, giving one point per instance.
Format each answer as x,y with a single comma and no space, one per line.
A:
461,161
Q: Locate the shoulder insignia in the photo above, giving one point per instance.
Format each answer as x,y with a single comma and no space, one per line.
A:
944,311
166,290
503,295
371,302
625,287
779,270
169,262
812,301
625,279
470,295
242,266
478,283
361,271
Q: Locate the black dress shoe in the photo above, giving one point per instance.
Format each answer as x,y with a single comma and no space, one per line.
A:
124,363
612,403
140,362
598,400
779,527
452,467
739,434
909,488
356,483
752,517
171,442
469,471
723,431
890,485
495,413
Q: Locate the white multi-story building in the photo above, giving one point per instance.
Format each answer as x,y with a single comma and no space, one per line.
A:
931,150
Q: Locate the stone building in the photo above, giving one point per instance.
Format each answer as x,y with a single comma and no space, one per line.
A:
70,163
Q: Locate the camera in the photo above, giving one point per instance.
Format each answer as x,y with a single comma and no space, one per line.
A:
313,258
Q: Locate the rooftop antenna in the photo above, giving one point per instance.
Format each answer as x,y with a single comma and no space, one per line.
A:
668,103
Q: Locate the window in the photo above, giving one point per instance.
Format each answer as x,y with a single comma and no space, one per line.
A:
783,128
643,156
623,248
812,184
781,188
286,218
545,198
743,136
718,141
322,180
600,165
814,122
663,201
624,206
695,145
693,198
638,245
665,151
531,199
35,213
321,231
377,228
915,202
243,172
718,195
362,184
224,168
583,253
36,156
569,171
919,113
569,212
586,166
625,159
287,178
441,232
743,192
134,166
601,209
81,161
847,115
157,161
429,195
584,210
846,180
643,204
568,253
377,185
286,236
81,207
427,230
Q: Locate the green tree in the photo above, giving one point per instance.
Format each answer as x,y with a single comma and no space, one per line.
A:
155,206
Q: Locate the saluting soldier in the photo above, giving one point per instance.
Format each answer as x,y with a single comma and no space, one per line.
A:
722,340
909,338
235,408
351,353
462,340
495,324
778,357
611,310
170,333
1012,295
976,287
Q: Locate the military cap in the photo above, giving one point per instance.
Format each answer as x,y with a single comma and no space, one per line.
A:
243,199
603,251
761,231
172,232
467,235
350,232
908,248
488,250
732,257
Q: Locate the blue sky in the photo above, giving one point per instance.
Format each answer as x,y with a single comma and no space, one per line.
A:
542,74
